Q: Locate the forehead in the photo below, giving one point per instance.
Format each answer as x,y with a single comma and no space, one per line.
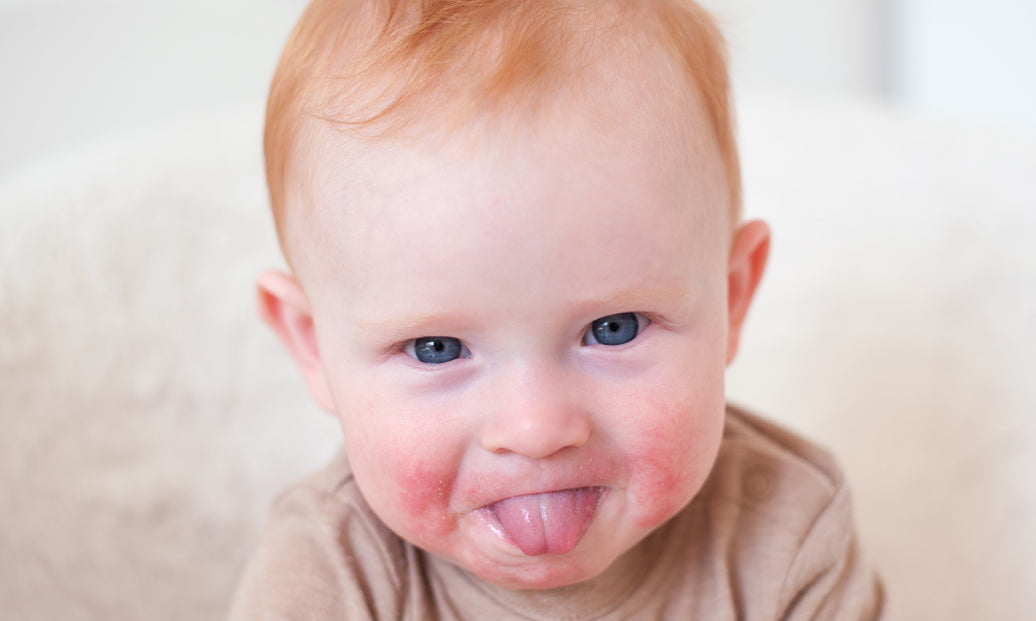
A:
631,130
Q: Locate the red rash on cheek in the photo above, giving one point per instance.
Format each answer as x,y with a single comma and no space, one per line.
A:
422,494
659,489
667,462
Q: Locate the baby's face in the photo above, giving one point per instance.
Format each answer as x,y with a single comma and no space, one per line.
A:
524,339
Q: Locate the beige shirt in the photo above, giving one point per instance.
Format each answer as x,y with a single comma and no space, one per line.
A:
770,536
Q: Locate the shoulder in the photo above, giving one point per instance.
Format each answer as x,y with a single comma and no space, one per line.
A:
322,554
766,467
780,508
329,506
768,489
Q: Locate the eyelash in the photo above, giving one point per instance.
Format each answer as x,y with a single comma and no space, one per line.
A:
616,324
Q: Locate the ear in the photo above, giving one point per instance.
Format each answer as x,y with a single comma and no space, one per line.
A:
748,256
284,307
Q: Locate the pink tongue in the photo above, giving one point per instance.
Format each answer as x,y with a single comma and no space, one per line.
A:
548,523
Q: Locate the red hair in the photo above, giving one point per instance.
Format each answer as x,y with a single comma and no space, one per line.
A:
371,67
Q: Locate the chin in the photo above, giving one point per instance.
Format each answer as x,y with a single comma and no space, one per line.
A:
543,573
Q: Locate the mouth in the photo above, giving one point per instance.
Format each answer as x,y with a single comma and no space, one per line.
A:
546,523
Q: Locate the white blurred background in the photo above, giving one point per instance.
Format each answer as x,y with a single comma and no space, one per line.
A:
71,71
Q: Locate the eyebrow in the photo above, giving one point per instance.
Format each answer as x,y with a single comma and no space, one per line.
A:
641,295
636,298
405,323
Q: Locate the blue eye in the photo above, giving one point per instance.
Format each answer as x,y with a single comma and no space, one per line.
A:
436,349
614,329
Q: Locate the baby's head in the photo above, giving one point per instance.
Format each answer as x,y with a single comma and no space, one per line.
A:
518,272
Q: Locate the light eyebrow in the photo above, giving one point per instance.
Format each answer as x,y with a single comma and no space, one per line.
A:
639,296
392,325
404,324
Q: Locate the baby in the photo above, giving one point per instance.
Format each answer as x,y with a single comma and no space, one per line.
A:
518,273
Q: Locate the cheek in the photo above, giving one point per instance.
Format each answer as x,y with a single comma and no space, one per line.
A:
422,493
405,470
677,437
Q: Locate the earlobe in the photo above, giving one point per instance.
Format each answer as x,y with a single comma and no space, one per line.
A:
284,307
748,256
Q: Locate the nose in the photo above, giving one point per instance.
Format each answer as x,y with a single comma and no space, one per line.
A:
536,413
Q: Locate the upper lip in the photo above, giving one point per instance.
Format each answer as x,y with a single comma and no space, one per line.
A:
546,491
492,487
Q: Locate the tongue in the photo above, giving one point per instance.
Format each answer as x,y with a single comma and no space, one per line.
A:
551,523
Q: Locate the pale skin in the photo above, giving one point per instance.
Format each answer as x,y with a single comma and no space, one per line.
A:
513,249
